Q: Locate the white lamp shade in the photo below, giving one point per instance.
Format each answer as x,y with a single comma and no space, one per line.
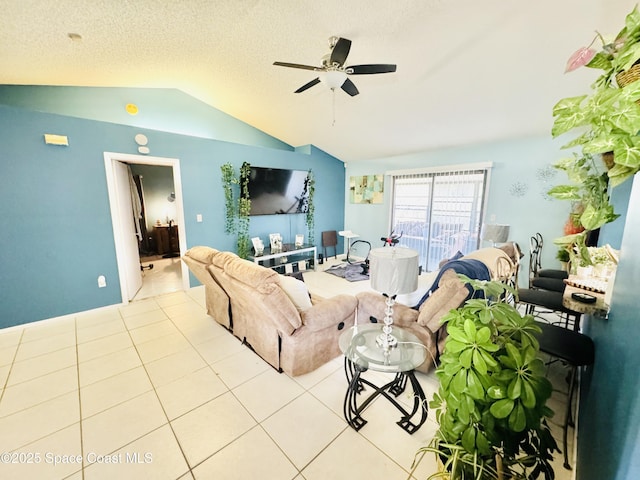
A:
496,233
394,270
333,78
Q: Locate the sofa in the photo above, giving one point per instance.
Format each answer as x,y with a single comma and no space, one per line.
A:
272,313
424,320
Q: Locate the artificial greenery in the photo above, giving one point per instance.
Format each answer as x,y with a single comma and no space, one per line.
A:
310,188
610,112
244,207
607,122
228,181
563,255
237,214
491,405
588,190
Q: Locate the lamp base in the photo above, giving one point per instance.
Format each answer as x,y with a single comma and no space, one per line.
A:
386,341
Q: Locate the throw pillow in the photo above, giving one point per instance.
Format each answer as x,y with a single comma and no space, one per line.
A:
296,291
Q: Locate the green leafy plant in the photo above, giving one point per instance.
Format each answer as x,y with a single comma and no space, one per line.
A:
588,189
310,188
562,255
491,405
244,207
228,181
607,122
237,214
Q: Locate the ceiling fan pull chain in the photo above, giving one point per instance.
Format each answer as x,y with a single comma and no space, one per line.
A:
333,93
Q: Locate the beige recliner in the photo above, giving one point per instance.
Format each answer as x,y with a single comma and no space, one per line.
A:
199,259
294,337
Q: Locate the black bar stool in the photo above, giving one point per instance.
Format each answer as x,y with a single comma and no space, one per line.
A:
575,349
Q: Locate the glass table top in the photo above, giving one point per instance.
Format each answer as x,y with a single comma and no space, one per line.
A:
358,344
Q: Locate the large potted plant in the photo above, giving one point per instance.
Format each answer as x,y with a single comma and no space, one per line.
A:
607,122
491,405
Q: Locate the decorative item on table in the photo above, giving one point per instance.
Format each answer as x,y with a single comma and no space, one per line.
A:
391,240
495,233
275,239
394,271
299,240
258,246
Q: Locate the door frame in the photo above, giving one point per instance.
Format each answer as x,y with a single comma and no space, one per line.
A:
110,158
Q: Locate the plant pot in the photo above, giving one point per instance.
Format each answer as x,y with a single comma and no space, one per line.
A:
626,77
584,272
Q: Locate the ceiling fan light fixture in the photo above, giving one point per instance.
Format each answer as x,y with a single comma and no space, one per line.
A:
333,78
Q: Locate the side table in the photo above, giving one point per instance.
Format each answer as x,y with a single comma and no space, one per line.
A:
358,345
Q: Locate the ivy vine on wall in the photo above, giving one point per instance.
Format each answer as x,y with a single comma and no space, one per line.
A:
244,207
237,214
228,181
310,188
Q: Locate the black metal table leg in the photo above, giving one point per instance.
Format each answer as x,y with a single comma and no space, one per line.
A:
352,411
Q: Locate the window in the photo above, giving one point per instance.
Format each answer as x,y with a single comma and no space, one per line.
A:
439,212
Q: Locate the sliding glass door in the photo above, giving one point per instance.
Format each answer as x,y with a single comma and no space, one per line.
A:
439,213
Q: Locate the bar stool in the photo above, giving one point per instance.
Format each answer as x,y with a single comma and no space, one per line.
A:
575,349
546,287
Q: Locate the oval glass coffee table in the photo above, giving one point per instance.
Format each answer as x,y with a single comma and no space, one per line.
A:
361,352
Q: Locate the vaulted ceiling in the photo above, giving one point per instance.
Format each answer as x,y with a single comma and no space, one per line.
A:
468,71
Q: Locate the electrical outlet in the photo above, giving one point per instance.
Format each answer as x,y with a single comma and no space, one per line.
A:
199,218
493,218
102,281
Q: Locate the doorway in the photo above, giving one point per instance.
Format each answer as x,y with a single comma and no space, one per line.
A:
128,257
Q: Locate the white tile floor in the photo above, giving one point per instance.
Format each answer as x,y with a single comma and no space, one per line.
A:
164,277
156,389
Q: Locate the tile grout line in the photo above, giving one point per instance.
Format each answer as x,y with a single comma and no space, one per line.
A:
79,400
153,386
13,361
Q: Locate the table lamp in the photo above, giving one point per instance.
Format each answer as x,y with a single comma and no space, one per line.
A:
393,271
495,233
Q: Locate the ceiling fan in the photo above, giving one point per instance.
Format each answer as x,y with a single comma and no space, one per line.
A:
333,71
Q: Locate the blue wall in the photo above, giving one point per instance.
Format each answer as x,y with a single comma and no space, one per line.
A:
59,236
164,109
609,427
523,160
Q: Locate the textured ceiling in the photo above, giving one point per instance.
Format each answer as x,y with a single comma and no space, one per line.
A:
468,70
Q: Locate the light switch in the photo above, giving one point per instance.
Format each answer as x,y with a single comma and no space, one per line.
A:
199,218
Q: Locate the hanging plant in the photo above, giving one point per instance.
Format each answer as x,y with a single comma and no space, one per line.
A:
237,215
310,188
228,181
244,208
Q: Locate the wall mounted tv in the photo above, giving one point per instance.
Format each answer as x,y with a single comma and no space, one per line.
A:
278,191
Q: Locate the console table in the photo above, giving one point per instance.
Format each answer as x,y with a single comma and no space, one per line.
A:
290,259
358,345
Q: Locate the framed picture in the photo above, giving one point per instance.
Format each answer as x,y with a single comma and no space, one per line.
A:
275,241
258,246
299,240
366,189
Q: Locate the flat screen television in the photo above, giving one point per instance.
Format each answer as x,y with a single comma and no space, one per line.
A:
278,191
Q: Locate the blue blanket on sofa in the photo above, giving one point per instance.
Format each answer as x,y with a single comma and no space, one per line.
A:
470,267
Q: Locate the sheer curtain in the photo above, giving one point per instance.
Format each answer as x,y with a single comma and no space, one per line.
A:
439,211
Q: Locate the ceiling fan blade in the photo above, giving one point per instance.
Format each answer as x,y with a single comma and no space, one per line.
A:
296,65
350,88
308,85
340,52
370,69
